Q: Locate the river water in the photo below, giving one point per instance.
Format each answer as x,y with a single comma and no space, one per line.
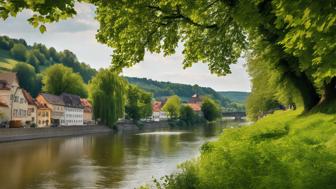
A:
100,161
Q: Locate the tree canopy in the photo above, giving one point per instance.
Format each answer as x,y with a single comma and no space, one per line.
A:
172,107
27,77
57,79
107,93
211,109
297,39
138,103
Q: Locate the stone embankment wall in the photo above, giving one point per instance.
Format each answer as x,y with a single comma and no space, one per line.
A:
14,134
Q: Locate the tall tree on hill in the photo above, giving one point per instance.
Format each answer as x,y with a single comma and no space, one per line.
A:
107,93
57,79
27,77
296,38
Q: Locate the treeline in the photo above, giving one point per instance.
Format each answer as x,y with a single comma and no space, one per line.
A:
41,57
162,89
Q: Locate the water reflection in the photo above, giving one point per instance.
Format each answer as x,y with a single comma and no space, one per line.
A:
99,161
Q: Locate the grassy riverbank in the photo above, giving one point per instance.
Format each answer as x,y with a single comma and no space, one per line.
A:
283,150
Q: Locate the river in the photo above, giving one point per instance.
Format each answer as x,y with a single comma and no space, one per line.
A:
102,160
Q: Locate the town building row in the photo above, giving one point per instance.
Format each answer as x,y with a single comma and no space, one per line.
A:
18,108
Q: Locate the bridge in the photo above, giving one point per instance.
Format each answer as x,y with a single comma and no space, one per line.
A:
236,115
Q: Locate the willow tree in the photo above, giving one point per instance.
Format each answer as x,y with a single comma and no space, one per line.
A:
107,93
296,38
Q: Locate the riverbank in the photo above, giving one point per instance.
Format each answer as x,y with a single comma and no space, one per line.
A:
16,134
286,149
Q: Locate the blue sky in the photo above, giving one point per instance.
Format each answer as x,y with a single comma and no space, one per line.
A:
78,35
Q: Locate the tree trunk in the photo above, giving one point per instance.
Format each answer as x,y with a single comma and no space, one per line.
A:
329,92
307,91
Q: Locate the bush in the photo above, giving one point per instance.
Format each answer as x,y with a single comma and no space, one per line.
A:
210,109
283,150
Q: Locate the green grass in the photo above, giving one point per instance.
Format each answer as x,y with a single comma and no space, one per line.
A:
287,149
6,63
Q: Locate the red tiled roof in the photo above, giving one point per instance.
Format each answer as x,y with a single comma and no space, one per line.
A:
195,106
28,97
156,106
40,105
85,102
9,77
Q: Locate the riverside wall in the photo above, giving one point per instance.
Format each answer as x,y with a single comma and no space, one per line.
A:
15,134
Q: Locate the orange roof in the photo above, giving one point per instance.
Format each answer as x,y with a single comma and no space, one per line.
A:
156,106
28,97
2,104
85,102
195,106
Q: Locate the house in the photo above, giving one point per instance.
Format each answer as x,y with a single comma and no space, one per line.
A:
158,114
195,106
73,109
43,115
4,112
195,99
195,102
31,111
87,116
56,105
11,95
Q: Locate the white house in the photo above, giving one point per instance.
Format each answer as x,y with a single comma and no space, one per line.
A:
158,114
73,109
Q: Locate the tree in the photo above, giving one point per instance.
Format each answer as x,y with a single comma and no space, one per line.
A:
187,115
27,77
296,38
19,52
32,60
107,93
58,79
138,103
172,107
4,44
210,109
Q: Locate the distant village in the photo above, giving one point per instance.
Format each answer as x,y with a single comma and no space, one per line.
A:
19,109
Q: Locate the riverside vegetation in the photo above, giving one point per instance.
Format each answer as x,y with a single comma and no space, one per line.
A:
290,51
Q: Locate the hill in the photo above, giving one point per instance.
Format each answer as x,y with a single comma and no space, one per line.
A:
39,56
162,89
235,96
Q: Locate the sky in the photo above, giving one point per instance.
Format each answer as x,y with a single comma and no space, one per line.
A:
78,35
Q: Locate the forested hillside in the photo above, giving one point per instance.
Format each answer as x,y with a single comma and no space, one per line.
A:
40,57
163,89
235,96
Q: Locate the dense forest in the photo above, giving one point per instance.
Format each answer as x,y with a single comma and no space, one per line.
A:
40,57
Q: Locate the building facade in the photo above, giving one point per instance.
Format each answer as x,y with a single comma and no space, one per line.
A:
56,105
73,109
11,95
31,111
88,112
43,115
158,114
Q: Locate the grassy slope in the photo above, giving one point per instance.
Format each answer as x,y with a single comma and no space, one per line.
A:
6,63
282,150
